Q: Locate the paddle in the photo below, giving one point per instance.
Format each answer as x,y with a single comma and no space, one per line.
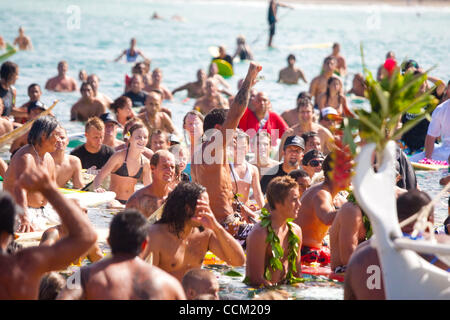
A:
19,131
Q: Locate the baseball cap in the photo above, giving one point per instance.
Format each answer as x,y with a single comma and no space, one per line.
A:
312,154
107,117
294,141
329,110
36,104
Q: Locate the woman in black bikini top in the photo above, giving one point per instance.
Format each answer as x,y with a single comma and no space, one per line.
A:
127,166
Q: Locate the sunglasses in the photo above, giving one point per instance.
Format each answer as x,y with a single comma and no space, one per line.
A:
315,163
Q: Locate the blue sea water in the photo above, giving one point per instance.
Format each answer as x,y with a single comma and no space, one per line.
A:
90,34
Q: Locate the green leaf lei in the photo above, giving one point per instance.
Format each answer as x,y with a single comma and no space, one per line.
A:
351,198
278,252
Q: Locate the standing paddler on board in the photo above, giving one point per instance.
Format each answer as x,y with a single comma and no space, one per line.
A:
272,17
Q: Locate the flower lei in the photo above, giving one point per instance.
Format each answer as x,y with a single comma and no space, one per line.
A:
277,250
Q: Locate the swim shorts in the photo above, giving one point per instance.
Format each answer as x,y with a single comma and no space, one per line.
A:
321,255
238,228
272,28
43,217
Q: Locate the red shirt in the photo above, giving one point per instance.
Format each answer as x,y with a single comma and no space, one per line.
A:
274,122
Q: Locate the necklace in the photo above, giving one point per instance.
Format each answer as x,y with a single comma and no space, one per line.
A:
40,160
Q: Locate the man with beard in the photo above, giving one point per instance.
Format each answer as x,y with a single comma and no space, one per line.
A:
293,149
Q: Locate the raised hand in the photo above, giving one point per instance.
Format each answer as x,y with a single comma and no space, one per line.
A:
204,215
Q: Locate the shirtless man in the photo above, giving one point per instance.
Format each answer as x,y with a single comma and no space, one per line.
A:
87,106
211,100
319,84
159,140
42,139
21,272
157,86
62,82
213,74
284,203
199,283
124,276
216,177
306,124
34,93
82,76
6,125
358,85
195,89
34,111
153,117
186,231
23,41
67,167
291,74
341,67
316,216
103,98
356,276
150,198
291,115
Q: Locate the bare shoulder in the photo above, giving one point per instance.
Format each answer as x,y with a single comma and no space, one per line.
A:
258,233
74,160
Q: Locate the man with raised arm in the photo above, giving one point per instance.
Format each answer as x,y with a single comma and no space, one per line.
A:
20,273
215,175
125,276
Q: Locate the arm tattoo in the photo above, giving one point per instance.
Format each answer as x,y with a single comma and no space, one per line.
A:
243,96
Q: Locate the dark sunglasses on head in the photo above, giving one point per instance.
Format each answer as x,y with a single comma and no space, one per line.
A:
315,163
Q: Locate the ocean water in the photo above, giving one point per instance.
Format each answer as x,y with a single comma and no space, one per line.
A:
90,34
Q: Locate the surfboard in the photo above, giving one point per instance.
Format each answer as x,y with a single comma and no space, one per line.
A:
76,139
87,198
322,45
225,68
427,167
10,50
322,271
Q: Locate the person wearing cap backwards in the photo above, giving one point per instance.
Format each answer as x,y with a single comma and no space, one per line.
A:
87,106
293,149
34,92
306,124
312,162
317,214
291,74
329,117
111,126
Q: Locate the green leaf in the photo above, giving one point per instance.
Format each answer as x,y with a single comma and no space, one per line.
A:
265,222
276,264
233,273
268,274
277,250
383,98
408,126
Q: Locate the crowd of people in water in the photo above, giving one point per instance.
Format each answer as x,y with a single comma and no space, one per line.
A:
239,180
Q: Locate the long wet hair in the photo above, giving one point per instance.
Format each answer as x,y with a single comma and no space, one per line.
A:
42,126
180,206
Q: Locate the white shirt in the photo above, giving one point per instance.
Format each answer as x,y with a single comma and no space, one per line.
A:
440,122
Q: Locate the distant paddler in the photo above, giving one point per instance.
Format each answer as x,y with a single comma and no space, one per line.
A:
23,41
272,17
132,53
